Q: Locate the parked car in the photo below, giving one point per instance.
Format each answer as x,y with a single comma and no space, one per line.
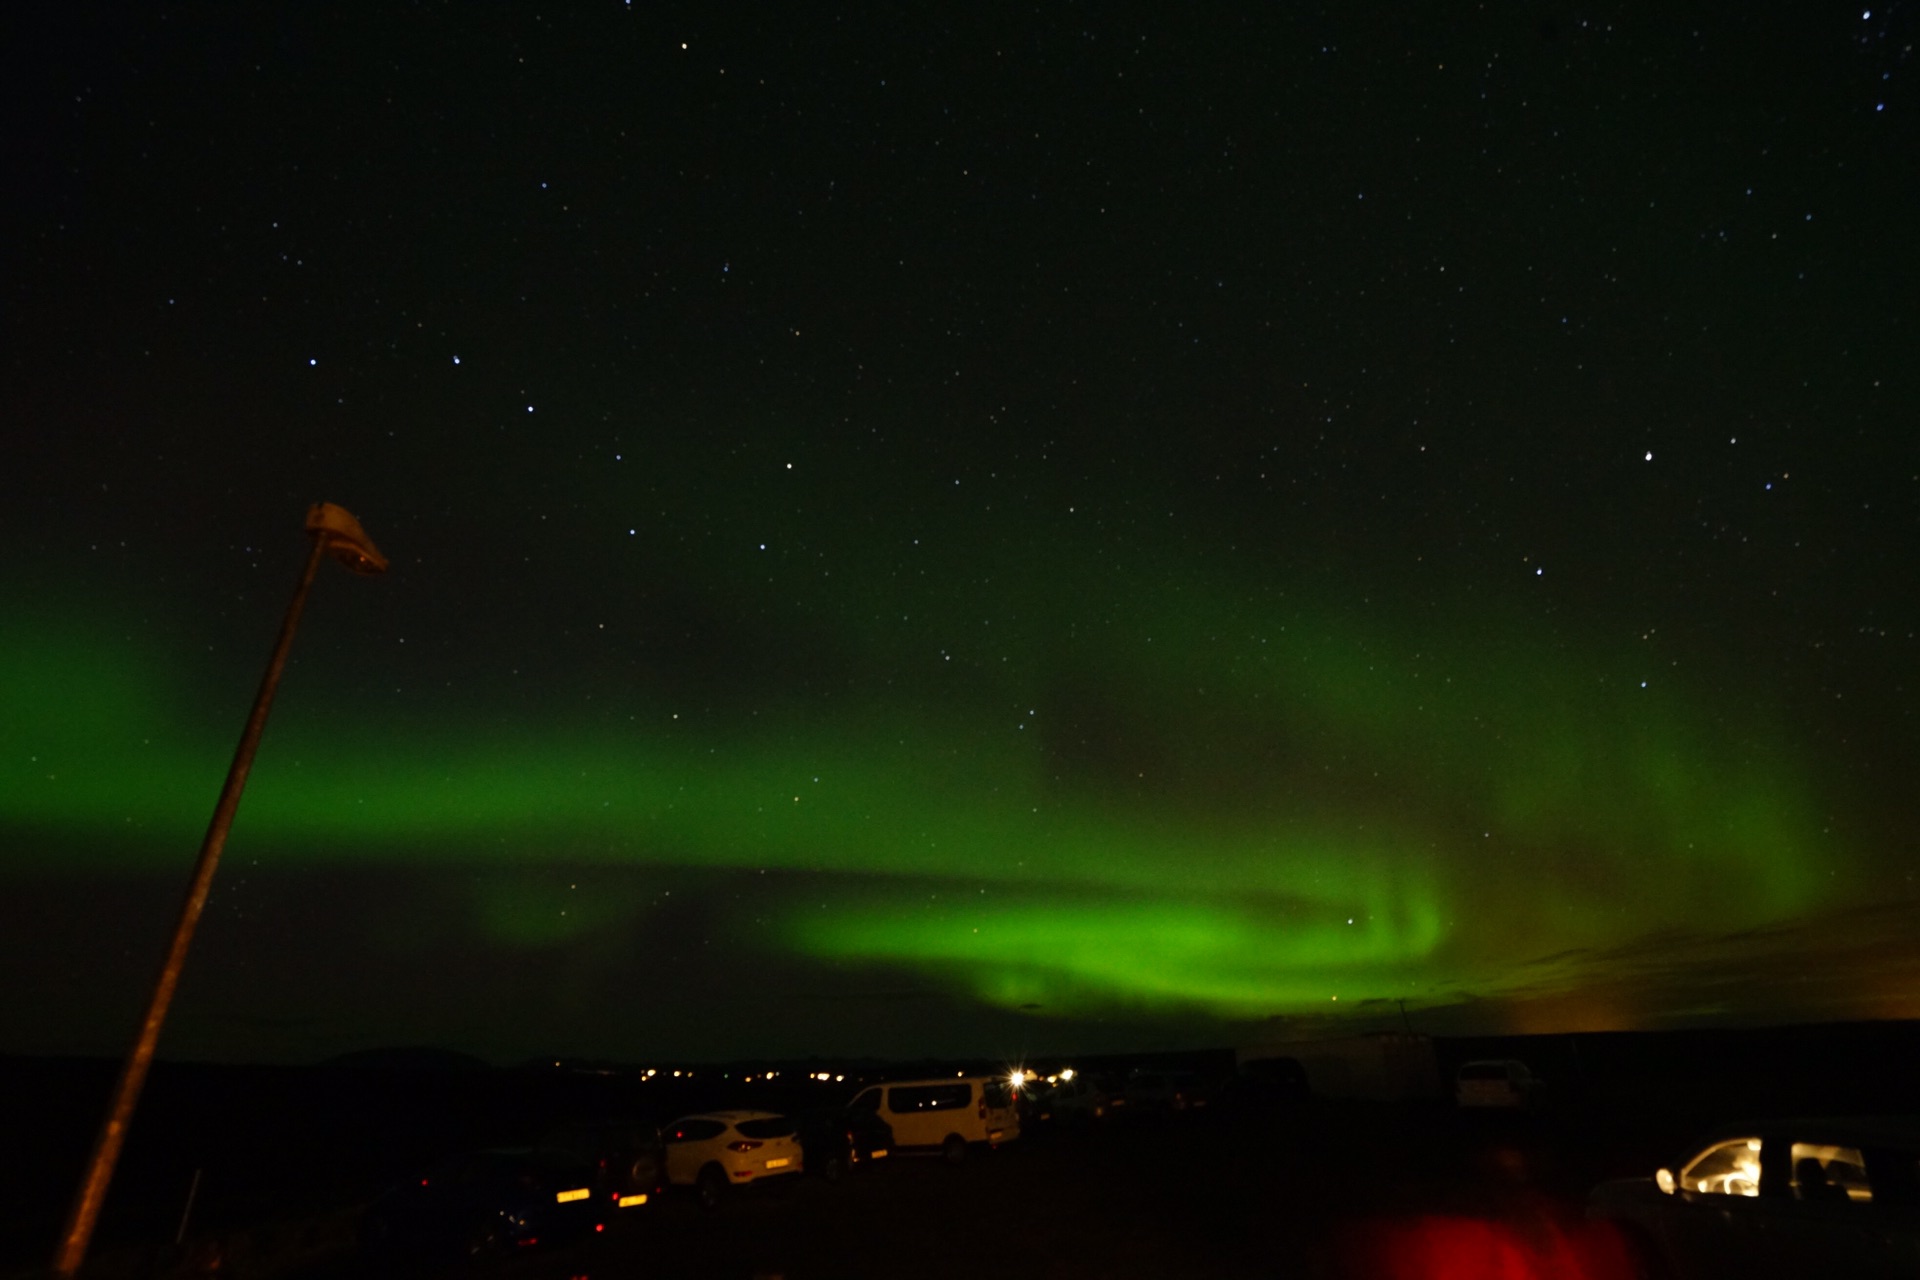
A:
947,1116
1836,1197
718,1150
1080,1101
624,1159
1498,1082
483,1204
1150,1091
837,1141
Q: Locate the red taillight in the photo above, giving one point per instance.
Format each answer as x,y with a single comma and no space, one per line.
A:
745,1144
599,1226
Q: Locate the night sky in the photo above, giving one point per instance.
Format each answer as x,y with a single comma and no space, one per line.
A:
960,529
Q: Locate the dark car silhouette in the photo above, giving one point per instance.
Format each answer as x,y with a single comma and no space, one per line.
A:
838,1141
483,1204
1812,1197
623,1160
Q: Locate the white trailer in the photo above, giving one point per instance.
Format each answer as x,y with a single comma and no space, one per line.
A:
1385,1066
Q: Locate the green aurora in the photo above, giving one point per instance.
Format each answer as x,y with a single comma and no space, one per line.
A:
1235,814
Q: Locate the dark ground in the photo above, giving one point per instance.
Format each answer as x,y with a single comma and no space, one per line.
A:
1328,1189
1312,1194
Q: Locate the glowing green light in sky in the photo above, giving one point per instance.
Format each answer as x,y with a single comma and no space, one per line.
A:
1254,812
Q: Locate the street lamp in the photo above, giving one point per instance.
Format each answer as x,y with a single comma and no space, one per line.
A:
334,532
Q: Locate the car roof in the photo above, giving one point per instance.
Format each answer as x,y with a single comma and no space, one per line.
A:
1851,1131
943,1080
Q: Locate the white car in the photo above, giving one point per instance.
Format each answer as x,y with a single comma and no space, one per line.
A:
716,1150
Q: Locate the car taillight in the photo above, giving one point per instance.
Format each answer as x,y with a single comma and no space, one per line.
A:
743,1145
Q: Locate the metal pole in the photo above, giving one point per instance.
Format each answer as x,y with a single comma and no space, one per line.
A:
186,1214
133,1074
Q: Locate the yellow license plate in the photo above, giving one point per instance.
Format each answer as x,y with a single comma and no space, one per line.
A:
778,1162
881,1154
578,1193
627,1202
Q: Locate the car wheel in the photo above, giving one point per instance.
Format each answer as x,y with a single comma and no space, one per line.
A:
954,1149
711,1186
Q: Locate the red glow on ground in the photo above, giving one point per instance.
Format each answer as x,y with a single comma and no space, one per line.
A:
1447,1248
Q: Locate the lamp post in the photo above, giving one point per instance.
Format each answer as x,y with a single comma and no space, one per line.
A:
335,531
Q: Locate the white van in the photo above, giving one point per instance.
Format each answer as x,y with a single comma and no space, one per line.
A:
946,1116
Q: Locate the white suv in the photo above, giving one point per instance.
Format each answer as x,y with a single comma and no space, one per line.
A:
720,1149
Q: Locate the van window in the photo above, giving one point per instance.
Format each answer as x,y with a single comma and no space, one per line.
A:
1829,1174
1730,1168
930,1097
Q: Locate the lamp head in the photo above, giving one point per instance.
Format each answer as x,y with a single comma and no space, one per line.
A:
345,538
